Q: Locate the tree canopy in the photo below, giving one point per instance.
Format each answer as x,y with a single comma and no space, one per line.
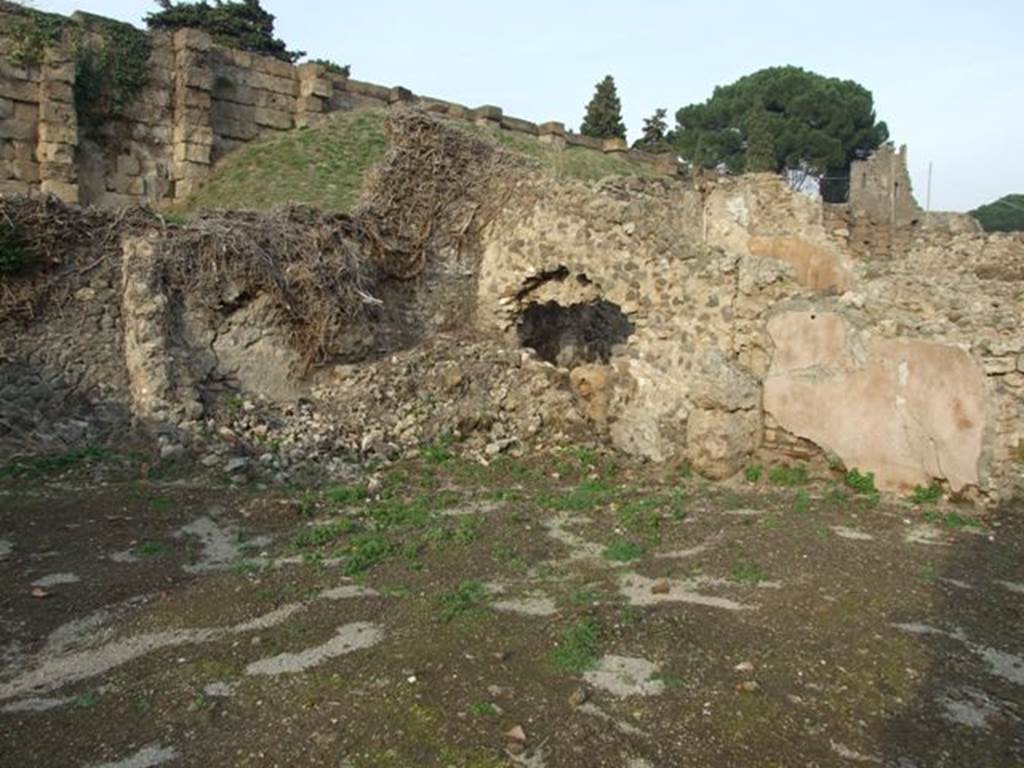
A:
243,24
655,135
781,119
1003,215
604,113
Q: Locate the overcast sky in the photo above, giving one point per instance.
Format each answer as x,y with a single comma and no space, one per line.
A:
948,76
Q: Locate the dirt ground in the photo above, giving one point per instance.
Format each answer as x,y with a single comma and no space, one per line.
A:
569,609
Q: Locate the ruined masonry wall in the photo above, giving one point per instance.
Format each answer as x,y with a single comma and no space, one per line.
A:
202,102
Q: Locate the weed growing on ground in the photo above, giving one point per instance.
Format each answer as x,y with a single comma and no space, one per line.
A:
584,597
789,476
930,495
747,573
863,484
802,503
483,709
588,495
152,549
346,494
365,552
753,473
623,550
668,679
471,598
439,451
952,520
328,533
51,464
579,648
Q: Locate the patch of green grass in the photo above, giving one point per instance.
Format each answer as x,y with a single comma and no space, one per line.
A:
584,597
346,494
789,476
643,516
836,496
930,495
52,464
862,483
439,451
88,700
668,679
588,495
580,647
323,166
365,552
471,598
318,536
587,457
621,549
753,473
248,567
802,503
747,573
483,709
152,549
952,520
569,162
509,555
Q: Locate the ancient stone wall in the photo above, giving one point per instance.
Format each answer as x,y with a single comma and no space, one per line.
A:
201,102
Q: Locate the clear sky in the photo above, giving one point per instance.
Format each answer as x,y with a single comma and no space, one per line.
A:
947,76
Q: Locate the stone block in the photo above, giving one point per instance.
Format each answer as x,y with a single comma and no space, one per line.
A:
226,110
614,145
192,39
310,70
26,171
316,86
368,89
310,104
6,109
183,188
578,140
460,111
235,57
20,130
52,90
6,169
9,71
128,165
58,133
66,191
271,66
55,112
60,72
57,171
194,134
551,128
274,118
18,90
225,89
400,94
286,86
13,187
278,101
51,152
26,112
194,77
236,129
191,171
192,153
519,126
161,57
487,112
555,140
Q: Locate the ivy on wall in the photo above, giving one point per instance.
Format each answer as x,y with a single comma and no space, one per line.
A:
111,58
111,70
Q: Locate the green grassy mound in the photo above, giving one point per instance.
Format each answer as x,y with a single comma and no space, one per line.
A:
322,166
325,166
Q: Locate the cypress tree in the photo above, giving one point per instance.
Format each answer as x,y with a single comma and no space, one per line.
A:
604,113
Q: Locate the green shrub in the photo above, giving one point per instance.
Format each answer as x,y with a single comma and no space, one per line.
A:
753,473
332,66
790,476
930,495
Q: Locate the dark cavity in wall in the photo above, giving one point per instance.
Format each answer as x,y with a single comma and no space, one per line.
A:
574,335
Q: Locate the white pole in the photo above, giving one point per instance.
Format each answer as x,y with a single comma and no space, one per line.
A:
928,204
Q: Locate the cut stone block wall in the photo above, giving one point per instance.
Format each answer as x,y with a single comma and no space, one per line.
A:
202,101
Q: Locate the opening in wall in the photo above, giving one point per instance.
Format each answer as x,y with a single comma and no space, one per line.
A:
573,335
